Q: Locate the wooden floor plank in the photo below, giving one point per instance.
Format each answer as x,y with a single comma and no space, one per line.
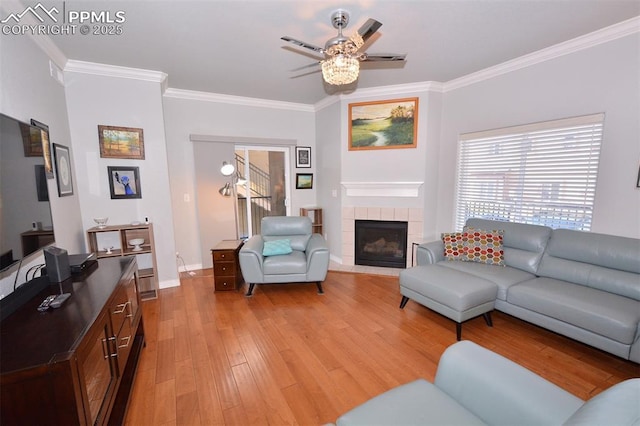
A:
290,356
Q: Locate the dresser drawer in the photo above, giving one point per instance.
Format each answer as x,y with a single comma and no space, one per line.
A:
224,269
224,283
224,255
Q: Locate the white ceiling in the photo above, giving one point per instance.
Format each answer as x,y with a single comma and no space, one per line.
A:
234,47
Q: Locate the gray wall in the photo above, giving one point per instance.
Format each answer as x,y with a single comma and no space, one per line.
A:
123,102
604,78
229,122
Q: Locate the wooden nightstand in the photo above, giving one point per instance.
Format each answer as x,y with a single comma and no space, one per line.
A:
226,265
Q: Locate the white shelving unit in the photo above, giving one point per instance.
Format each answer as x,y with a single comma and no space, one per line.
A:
113,241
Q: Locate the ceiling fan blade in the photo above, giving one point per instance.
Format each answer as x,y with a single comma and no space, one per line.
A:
368,29
303,44
384,57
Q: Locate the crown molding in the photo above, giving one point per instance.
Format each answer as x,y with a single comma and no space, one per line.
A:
395,90
326,102
604,35
235,100
114,71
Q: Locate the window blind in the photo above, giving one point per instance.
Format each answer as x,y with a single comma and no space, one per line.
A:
542,173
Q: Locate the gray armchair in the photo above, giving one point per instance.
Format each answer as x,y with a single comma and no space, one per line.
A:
300,256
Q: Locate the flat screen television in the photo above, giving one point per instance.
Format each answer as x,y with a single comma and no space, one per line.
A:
25,213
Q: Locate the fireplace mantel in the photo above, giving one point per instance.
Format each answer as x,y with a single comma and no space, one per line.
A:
382,189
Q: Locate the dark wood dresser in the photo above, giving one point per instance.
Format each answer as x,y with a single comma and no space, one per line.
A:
74,365
227,274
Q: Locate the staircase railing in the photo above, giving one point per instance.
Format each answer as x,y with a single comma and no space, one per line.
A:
259,191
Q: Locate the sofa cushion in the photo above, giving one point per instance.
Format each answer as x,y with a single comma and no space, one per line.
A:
293,263
606,314
523,244
503,277
483,246
618,405
298,242
276,247
415,403
603,262
453,244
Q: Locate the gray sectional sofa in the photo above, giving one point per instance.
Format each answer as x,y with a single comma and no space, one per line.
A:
583,285
474,386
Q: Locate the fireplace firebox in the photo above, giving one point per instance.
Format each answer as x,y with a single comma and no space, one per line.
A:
381,243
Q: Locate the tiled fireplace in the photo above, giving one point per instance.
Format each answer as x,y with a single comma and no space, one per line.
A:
412,216
381,243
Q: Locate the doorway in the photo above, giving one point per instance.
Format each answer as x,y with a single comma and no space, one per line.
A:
265,173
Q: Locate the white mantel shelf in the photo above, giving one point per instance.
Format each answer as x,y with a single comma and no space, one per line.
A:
382,189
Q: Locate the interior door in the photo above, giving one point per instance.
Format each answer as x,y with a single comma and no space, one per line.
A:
263,186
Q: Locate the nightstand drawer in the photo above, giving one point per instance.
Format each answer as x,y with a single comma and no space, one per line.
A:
224,255
224,269
224,283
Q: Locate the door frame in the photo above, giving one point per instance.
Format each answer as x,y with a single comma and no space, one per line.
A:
287,182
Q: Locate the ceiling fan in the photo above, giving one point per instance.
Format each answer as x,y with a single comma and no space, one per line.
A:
342,55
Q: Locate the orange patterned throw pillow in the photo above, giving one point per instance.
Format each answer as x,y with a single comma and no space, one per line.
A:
453,245
483,246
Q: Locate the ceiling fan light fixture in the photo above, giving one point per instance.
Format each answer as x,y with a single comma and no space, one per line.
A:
340,69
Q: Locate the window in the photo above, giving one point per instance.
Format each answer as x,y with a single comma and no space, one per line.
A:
542,173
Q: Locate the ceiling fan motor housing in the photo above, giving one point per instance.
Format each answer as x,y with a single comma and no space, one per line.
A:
340,19
340,45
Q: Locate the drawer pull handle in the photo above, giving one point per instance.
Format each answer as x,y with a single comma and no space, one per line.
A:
105,344
125,345
121,308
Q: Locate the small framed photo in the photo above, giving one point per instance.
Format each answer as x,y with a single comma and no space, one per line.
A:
121,142
63,169
638,180
303,157
304,180
124,182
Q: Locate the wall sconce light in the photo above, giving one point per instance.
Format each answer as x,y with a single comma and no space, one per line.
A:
226,191
227,169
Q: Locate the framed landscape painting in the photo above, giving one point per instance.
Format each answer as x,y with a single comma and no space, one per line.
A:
388,124
304,180
121,142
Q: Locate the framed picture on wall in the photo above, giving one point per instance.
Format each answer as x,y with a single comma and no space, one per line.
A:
43,136
303,157
383,124
121,142
304,180
63,170
124,182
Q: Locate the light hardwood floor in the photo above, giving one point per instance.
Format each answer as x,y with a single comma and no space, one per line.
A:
290,356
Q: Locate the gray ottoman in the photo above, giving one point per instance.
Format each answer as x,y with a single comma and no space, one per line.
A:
455,294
